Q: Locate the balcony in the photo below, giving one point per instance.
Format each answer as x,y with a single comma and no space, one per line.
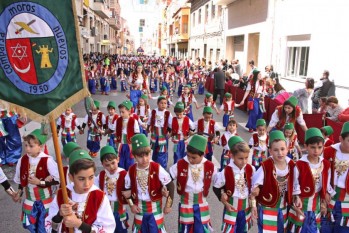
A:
114,23
100,8
223,2
85,32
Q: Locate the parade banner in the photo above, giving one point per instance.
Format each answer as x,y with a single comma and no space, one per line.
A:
40,61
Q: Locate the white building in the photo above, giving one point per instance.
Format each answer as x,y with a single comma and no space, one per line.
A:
300,38
206,30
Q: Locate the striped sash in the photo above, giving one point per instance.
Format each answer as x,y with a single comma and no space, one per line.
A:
37,194
120,209
162,142
149,207
186,210
343,197
270,216
94,136
229,219
258,157
68,130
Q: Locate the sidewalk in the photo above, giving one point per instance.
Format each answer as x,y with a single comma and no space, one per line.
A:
292,85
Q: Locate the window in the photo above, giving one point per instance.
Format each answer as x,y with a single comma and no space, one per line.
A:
199,20
142,22
297,62
185,24
213,11
193,20
206,13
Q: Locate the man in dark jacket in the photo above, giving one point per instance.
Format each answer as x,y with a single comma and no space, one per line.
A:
219,84
326,89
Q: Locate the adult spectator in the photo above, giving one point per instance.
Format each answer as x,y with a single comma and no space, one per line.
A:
281,95
237,68
344,116
333,109
324,89
273,75
304,96
219,84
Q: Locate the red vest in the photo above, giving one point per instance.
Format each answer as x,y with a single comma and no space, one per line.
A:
190,98
212,103
282,119
229,176
185,127
99,120
226,106
269,193
135,77
72,122
182,176
115,117
152,120
253,86
154,183
120,185
146,110
41,170
201,126
93,202
330,155
308,185
328,143
292,142
256,140
129,129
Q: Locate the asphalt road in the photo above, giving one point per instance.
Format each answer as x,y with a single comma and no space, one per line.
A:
10,212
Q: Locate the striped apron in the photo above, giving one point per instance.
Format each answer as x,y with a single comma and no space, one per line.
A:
232,221
342,199
150,219
273,219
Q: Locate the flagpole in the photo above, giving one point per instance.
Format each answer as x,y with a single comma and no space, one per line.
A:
60,165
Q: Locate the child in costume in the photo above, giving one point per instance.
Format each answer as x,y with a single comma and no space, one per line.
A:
201,86
104,80
233,185
209,102
294,150
3,134
111,124
181,82
289,112
143,110
111,181
95,130
159,125
153,79
147,182
113,83
68,122
231,130
34,173
123,81
92,80
271,185
228,107
194,174
327,131
126,127
188,98
67,149
88,209
259,144
338,155
181,127
207,127
311,187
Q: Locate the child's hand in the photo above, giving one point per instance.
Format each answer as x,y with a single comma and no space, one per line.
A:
49,178
229,207
297,202
164,191
167,210
81,131
126,194
17,197
224,198
254,213
71,221
323,208
327,198
217,112
135,209
255,191
66,209
33,180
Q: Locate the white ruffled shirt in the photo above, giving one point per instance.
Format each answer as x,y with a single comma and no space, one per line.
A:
339,181
275,119
112,197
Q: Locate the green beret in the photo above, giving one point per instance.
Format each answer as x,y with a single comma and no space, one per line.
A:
328,129
207,110
188,86
311,133
96,103
164,88
227,95
255,71
111,104
139,141
289,125
107,150
139,64
179,105
208,95
127,104
276,135
198,142
161,98
233,141
145,97
293,101
345,128
260,122
70,147
38,135
77,155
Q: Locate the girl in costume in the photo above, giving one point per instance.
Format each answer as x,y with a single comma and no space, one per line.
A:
138,82
294,150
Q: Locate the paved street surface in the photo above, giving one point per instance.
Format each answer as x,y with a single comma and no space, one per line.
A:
10,212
